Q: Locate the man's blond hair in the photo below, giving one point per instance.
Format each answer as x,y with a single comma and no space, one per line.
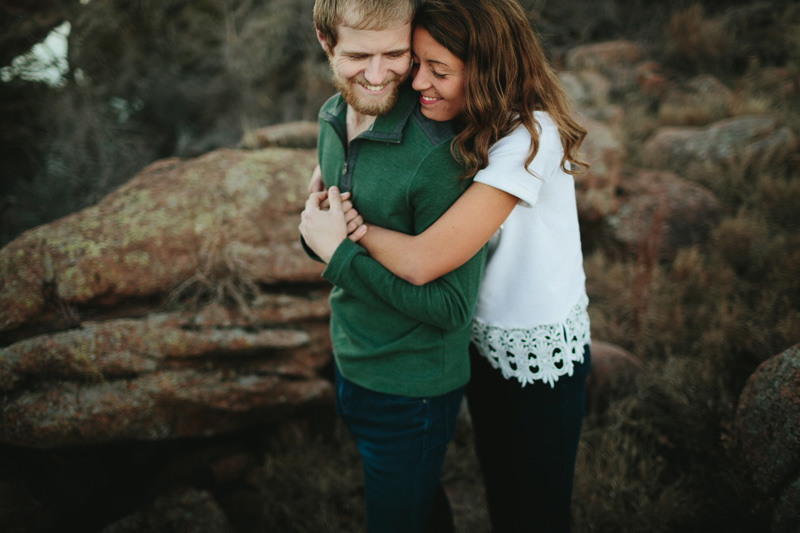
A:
359,15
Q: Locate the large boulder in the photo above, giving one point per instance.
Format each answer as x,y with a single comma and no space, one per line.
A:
660,211
130,378
614,374
227,215
767,423
734,144
181,305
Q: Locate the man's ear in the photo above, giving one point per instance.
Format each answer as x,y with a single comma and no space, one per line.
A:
322,41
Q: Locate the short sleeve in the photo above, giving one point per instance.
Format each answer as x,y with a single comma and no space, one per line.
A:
507,156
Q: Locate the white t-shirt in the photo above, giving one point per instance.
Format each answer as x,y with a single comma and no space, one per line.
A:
531,320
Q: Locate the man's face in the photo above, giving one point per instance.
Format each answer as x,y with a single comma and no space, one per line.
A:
369,66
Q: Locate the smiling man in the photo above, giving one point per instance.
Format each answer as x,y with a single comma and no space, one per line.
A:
400,350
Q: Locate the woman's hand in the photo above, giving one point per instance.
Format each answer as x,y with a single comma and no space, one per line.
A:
324,230
356,228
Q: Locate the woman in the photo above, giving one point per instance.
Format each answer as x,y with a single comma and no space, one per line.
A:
479,62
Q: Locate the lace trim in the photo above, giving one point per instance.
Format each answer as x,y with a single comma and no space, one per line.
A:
543,353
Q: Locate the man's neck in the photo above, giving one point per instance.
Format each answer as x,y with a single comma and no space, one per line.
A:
357,123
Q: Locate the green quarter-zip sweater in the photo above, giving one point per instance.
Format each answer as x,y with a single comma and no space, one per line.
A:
389,335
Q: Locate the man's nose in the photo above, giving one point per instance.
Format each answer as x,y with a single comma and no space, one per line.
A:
376,70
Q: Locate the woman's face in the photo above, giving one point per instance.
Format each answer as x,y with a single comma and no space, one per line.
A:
438,76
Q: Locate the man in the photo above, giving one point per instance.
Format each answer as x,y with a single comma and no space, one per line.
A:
400,350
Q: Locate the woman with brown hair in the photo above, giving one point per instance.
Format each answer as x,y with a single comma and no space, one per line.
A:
479,63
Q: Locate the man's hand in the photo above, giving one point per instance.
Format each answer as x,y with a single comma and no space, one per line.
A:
324,230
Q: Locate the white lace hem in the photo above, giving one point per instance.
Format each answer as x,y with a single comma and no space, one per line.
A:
543,353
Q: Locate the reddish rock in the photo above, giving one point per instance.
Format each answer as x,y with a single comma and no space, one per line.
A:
165,404
121,348
767,423
613,374
228,214
301,134
221,229
662,211
616,60
652,81
755,142
605,56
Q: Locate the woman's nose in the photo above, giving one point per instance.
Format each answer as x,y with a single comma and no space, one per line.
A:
420,79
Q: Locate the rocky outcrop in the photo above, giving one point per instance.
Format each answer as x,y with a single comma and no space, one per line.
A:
160,377
767,431
734,144
621,207
227,215
215,239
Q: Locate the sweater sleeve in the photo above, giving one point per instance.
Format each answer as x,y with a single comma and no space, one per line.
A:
447,302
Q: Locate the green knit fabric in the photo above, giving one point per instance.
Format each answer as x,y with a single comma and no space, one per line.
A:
389,335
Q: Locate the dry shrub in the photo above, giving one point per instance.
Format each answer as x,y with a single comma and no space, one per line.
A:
223,277
312,484
742,243
780,199
733,37
308,485
696,42
658,460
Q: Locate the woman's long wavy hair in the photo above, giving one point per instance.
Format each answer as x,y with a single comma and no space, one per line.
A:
507,78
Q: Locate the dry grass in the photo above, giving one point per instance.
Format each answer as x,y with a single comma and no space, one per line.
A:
221,278
697,41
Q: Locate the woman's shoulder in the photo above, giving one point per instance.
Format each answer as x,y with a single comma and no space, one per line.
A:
520,137
549,136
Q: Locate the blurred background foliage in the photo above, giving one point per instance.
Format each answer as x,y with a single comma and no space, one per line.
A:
150,79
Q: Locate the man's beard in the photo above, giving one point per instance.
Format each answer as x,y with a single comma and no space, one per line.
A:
365,104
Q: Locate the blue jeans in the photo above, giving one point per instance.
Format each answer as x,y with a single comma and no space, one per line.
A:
526,440
402,442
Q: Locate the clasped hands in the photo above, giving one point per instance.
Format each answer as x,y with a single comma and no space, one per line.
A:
329,218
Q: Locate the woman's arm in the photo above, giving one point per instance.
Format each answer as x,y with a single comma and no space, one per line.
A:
446,302
448,243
